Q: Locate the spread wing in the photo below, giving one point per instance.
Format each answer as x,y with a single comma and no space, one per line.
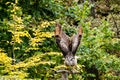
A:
75,41
62,40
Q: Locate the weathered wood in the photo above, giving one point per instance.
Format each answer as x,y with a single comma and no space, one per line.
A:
65,73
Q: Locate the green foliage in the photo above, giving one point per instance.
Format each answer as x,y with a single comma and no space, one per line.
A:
93,53
41,9
27,44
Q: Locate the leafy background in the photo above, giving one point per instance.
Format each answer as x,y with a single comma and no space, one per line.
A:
27,45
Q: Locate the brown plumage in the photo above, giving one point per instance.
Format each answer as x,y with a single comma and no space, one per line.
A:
67,45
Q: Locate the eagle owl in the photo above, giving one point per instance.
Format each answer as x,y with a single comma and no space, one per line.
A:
68,45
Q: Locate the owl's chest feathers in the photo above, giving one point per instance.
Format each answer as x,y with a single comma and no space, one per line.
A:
70,60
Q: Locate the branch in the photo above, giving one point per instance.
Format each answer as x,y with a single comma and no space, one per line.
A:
66,71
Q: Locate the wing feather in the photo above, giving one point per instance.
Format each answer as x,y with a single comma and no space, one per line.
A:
62,40
75,41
